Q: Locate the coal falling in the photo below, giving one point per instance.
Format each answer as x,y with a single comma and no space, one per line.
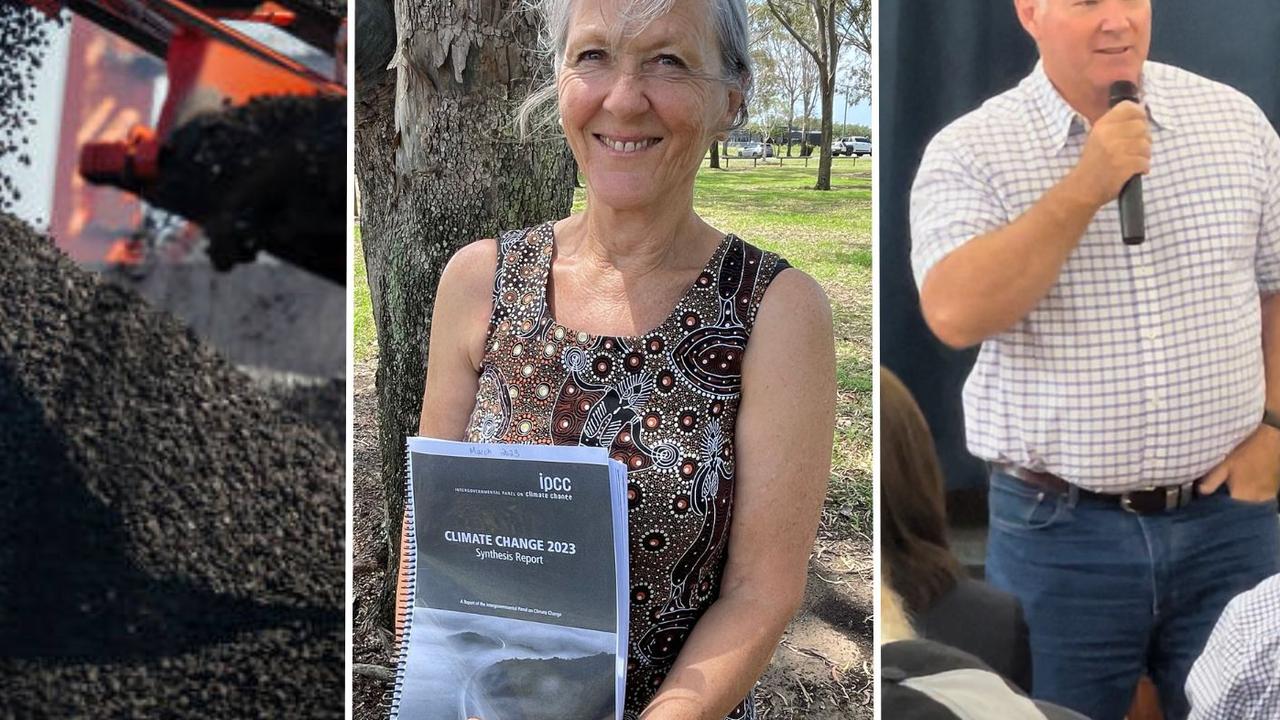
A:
24,38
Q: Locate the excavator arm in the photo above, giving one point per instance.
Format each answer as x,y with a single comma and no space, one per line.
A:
262,189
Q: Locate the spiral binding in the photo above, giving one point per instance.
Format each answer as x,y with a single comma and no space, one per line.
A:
404,612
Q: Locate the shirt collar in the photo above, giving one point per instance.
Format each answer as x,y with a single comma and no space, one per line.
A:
1060,121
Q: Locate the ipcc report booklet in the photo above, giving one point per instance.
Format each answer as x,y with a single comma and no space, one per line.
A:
517,561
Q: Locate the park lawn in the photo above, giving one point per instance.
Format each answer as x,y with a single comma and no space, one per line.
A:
364,333
826,234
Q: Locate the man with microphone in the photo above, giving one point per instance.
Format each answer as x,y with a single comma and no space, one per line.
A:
1127,393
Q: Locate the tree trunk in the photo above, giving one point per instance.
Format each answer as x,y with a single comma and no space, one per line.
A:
439,165
791,119
715,154
828,59
824,151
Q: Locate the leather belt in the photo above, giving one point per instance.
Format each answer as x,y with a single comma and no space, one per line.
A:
1147,501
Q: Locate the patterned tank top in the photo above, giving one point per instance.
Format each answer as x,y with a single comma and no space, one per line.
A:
663,403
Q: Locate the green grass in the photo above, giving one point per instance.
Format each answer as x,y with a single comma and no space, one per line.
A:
366,335
826,234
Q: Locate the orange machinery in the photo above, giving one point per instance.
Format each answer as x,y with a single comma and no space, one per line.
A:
210,66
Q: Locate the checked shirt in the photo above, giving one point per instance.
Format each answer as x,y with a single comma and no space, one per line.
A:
1143,364
1238,675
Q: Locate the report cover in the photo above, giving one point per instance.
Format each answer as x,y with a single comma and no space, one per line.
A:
517,558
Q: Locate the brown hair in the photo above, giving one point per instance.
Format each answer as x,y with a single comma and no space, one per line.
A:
913,516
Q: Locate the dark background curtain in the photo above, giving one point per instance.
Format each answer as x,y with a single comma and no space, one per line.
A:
941,58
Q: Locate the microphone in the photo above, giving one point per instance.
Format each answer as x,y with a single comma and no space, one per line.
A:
1132,215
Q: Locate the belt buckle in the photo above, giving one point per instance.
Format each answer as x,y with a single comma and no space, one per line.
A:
1126,503
1173,498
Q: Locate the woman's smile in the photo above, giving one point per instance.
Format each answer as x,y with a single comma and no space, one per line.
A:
627,145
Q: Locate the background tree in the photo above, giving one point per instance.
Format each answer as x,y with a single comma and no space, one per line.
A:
853,24
766,103
773,124
822,28
857,79
857,33
439,164
795,70
808,95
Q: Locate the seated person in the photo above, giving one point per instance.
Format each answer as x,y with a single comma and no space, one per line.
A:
927,680
947,606
1237,677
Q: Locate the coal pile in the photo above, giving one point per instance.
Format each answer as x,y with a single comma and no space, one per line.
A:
320,403
268,175
23,41
171,540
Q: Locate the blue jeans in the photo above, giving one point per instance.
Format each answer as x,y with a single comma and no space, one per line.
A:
1109,595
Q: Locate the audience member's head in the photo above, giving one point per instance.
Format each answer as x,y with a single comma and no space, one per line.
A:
928,680
912,505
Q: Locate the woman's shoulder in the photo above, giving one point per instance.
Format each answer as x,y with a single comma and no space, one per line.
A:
781,287
980,592
970,597
793,296
792,331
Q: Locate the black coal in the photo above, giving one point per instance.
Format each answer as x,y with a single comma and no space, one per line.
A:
268,175
171,540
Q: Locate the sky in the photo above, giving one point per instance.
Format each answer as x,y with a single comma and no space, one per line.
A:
859,114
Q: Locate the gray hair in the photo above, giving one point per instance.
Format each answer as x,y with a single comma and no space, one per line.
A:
730,17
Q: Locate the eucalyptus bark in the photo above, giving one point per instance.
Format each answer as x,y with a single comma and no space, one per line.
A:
439,165
715,154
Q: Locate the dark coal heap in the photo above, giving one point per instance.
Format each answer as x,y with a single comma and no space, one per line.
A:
23,41
269,175
323,405
171,540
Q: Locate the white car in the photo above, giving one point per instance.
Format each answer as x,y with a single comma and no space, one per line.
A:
755,150
856,146
837,148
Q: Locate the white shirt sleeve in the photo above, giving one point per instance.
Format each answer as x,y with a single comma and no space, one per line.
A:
951,203
1267,261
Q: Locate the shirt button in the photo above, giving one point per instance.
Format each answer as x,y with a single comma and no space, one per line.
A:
1151,334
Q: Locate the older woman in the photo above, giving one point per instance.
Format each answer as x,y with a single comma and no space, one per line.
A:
704,364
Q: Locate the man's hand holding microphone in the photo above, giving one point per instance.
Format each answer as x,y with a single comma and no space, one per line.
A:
1116,155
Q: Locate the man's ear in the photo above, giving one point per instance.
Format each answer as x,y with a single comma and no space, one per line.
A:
1029,14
